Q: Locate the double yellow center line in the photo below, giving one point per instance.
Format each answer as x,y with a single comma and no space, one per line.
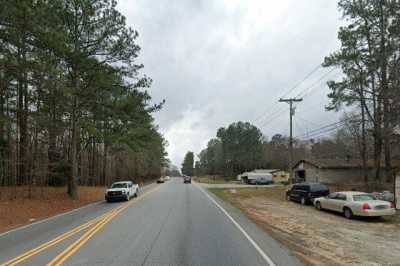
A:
97,223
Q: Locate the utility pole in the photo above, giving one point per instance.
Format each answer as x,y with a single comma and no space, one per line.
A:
291,114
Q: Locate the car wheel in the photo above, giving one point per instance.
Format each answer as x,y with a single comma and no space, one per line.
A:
136,194
318,205
347,213
303,201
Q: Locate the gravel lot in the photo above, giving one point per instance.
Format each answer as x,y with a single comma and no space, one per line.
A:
319,237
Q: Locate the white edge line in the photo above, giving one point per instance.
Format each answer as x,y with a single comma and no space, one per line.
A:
255,245
56,216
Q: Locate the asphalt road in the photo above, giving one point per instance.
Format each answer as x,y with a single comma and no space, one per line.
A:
168,224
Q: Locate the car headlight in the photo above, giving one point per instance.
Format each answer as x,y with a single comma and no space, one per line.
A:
123,191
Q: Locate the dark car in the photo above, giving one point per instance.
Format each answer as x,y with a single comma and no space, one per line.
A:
305,193
187,179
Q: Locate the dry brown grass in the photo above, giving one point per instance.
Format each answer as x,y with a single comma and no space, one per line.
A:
40,203
213,180
276,193
318,237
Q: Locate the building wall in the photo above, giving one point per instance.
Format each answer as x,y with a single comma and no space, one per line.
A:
334,176
280,176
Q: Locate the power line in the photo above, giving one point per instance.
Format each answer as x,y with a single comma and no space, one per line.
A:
325,132
327,128
291,89
318,130
308,121
267,112
309,89
272,118
271,115
314,85
304,79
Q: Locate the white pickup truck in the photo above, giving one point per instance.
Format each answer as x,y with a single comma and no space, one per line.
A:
122,190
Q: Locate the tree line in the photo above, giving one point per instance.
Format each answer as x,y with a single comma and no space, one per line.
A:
74,107
369,58
236,148
241,147
187,165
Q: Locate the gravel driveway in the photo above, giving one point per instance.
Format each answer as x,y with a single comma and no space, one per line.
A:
319,237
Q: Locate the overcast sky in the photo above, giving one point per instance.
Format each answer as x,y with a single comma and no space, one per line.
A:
220,61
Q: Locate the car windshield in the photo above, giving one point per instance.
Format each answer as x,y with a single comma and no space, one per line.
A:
363,197
119,185
318,187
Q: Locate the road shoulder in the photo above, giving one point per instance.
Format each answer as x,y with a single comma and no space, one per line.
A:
278,253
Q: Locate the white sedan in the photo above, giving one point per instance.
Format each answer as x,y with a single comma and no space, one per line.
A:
352,203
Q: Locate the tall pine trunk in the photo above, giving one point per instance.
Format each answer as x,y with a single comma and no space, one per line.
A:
378,141
104,170
385,90
72,180
363,139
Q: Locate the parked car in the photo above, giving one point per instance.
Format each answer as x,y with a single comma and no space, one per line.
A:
253,178
305,193
353,203
161,180
187,179
260,181
122,190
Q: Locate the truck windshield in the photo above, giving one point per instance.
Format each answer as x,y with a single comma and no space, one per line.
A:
119,185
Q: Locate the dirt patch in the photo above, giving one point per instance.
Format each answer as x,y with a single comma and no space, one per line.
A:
42,203
319,237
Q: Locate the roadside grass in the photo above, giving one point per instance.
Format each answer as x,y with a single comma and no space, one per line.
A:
213,180
275,193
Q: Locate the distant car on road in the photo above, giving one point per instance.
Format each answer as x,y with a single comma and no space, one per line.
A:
305,193
187,179
161,180
122,190
353,203
167,178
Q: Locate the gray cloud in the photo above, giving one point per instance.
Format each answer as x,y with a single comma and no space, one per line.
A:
216,62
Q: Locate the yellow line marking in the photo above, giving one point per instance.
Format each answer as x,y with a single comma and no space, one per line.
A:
74,247
56,240
63,256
